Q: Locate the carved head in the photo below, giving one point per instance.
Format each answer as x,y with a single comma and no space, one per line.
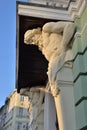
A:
32,36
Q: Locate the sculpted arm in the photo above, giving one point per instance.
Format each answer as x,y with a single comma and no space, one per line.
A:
68,33
66,29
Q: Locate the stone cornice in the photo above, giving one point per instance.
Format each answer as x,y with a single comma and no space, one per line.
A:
76,8
54,3
35,10
43,12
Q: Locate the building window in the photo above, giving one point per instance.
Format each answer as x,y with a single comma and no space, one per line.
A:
19,127
22,98
20,111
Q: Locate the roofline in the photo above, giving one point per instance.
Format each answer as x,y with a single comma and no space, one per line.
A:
74,10
42,11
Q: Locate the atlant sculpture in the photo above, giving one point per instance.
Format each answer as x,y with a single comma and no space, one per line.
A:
54,41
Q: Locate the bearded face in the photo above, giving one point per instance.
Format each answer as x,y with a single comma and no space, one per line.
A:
32,36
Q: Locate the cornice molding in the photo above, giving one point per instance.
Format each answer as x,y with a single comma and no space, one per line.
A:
43,12
75,10
54,3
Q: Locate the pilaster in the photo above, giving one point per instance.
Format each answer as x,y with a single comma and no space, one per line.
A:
50,119
64,101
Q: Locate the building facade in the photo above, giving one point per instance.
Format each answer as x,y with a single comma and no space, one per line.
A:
80,70
67,108
15,114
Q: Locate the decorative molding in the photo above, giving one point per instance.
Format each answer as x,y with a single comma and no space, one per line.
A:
79,53
80,100
54,3
80,74
79,34
43,12
75,10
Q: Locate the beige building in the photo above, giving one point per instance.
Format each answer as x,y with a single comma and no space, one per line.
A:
14,113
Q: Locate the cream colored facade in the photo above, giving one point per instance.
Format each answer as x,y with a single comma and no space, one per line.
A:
14,114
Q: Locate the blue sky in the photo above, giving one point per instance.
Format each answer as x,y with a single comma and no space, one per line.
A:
7,48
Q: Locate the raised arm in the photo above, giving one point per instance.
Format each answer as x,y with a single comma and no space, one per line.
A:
66,29
68,33
54,27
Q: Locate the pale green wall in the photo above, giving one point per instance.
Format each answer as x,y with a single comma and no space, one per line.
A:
80,72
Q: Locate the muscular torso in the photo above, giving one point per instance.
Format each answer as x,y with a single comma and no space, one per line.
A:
51,43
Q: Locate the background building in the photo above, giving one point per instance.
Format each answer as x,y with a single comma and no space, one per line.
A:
14,115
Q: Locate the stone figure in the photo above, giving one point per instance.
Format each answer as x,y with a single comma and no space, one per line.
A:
53,41
36,97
